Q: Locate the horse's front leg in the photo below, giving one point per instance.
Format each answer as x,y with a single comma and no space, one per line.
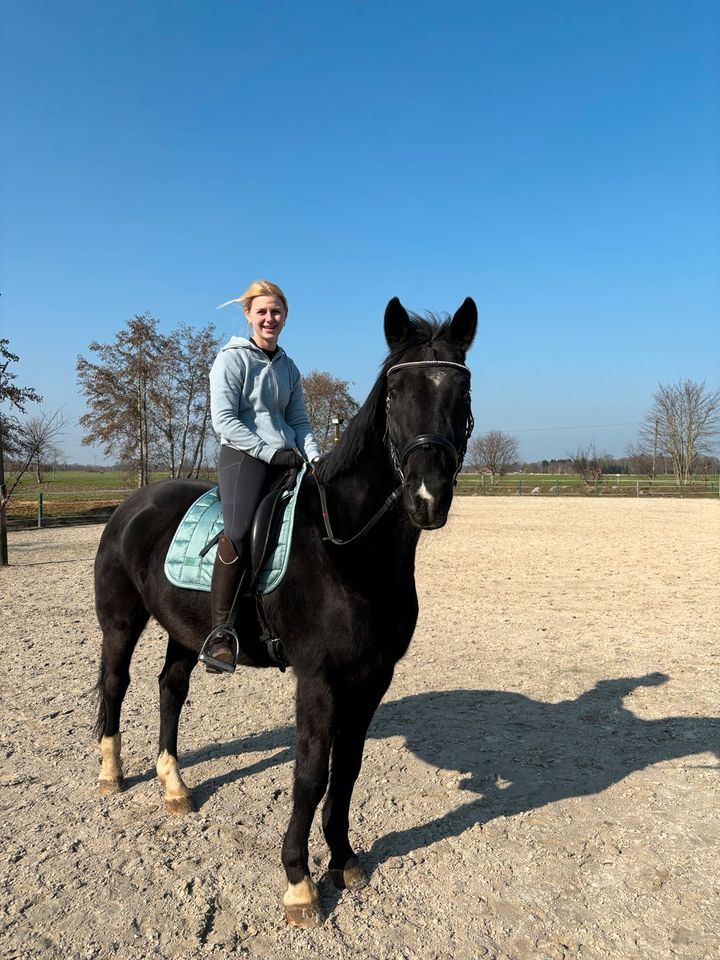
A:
314,731
355,709
174,685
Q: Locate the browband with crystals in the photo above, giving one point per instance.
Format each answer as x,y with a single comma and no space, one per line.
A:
425,363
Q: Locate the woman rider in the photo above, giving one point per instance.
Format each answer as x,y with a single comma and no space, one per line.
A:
258,412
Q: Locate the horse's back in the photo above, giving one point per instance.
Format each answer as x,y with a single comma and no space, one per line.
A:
143,525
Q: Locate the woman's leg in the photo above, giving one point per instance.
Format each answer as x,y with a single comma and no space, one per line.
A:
242,480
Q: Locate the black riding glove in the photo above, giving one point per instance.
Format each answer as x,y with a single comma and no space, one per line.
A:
288,459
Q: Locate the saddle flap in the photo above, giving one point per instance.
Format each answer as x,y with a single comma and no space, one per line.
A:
271,533
266,526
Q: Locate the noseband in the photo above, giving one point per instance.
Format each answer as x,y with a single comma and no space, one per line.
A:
425,441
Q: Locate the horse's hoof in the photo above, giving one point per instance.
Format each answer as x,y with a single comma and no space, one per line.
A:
180,806
305,917
302,904
108,788
351,877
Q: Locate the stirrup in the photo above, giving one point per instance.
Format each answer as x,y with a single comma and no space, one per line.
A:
224,630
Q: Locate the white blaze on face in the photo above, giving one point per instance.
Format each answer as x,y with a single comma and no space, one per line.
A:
437,377
423,492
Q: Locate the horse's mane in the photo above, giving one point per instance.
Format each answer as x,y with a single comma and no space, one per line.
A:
428,336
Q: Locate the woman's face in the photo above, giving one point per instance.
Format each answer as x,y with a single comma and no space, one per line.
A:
266,316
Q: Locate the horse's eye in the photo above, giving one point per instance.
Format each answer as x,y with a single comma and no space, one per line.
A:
392,394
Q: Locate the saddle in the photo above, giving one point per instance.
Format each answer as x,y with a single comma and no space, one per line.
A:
191,555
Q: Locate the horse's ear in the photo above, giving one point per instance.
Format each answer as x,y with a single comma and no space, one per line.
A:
464,324
397,322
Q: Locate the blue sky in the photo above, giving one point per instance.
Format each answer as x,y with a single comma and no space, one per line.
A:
558,161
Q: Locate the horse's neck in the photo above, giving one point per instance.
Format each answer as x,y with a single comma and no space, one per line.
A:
360,491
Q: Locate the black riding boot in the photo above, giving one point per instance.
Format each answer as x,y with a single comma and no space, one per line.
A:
227,573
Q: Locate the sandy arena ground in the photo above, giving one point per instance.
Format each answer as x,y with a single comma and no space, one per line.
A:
542,780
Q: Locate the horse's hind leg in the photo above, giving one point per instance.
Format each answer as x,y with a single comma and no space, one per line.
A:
122,618
174,685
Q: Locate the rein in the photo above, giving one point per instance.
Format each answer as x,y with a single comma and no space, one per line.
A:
423,441
391,500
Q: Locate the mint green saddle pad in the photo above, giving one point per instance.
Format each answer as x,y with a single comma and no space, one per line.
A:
184,567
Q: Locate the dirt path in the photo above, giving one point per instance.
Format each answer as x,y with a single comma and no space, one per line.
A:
542,780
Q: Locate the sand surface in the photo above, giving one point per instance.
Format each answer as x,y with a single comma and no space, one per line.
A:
541,781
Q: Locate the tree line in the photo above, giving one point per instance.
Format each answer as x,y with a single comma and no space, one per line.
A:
148,399
148,405
148,408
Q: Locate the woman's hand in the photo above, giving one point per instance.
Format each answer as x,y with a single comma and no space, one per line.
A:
288,459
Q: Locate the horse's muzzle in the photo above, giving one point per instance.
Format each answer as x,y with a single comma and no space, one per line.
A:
427,504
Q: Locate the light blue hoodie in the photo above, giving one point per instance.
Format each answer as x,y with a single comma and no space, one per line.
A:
257,404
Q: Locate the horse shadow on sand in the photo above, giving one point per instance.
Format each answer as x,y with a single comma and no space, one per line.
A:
512,753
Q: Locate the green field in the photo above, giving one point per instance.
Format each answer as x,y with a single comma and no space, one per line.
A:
85,496
619,485
71,496
80,482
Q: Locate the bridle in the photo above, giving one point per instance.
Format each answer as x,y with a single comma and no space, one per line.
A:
423,441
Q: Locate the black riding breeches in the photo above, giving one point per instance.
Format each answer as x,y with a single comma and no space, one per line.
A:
242,480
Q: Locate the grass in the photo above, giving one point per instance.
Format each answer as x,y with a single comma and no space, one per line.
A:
470,484
78,481
77,496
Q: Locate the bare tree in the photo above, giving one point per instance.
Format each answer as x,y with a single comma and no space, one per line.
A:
16,397
684,423
588,463
494,451
326,398
118,389
180,399
38,439
32,444
12,440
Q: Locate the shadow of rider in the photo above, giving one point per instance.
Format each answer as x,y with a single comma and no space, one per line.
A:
518,754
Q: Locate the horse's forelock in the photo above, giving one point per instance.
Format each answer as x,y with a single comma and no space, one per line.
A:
429,330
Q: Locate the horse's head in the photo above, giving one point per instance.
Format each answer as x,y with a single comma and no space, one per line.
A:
428,407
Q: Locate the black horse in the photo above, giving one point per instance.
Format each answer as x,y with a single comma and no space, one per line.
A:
345,613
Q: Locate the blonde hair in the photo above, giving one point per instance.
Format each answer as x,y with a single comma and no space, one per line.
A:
259,288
